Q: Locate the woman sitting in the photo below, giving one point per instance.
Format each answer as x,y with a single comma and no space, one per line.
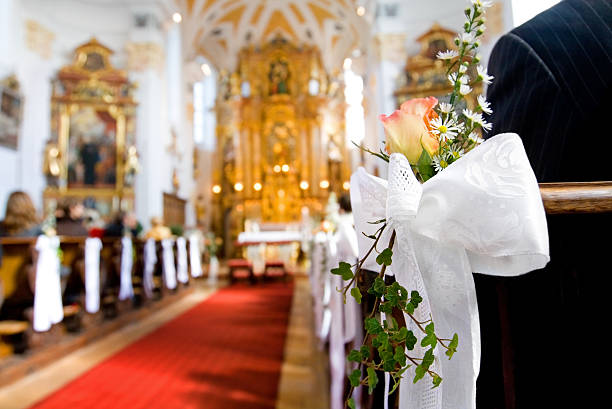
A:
20,219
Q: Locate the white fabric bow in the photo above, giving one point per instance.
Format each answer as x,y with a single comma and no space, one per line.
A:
150,257
93,245
169,268
126,290
48,308
194,256
482,214
182,270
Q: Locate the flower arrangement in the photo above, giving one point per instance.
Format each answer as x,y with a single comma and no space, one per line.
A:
431,135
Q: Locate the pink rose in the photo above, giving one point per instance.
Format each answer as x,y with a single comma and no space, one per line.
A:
407,129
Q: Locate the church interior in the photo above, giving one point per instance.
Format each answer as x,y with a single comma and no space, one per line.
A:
182,162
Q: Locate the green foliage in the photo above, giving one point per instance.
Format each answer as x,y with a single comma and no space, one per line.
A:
452,347
356,294
355,377
372,380
385,257
343,270
351,403
425,167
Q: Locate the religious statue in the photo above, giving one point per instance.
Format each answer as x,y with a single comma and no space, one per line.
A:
279,77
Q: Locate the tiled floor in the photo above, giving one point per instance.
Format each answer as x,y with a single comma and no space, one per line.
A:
303,375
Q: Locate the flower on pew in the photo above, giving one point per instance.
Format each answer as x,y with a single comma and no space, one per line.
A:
431,136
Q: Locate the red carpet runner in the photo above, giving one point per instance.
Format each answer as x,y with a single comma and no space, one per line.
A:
224,353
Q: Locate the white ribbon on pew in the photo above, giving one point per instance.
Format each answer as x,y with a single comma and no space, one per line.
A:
48,308
150,257
482,214
195,259
126,289
168,263
213,270
182,273
93,245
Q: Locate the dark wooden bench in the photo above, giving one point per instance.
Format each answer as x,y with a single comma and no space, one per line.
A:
236,265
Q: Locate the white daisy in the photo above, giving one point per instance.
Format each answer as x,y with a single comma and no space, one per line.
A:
447,55
445,107
482,75
454,77
482,3
474,137
439,163
485,125
465,89
484,105
467,38
463,68
455,152
472,116
445,130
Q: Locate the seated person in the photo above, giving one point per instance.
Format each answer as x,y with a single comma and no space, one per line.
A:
158,230
20,219
121,224
69,219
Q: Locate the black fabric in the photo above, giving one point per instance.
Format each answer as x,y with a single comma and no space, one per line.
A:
553,77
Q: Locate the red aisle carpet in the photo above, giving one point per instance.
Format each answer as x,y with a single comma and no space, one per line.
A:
224,353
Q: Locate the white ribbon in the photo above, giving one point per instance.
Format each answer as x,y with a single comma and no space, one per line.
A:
182,270
195,259
150,257
168,263
48,308
482,214
213,270
93,245
126,290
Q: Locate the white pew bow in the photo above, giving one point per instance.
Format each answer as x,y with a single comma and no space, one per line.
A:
169,268
48,308
126,290
182,269
150,258
482,214
93,245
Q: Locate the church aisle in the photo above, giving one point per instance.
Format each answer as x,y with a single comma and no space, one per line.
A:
224,352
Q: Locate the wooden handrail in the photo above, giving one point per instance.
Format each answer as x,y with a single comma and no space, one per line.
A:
577,197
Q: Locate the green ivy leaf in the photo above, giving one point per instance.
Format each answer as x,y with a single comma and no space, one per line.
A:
425,167
437,380
372,380
365,352
354,356
372,326
351,403
385,257
452,347
356,294
399,355
378,287
386,307
429,329
419,373
410,341
429,340
415,298
344,270
409,308
400,335
355,378
389,365
428,359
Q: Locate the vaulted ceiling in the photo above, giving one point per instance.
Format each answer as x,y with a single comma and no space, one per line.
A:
219,29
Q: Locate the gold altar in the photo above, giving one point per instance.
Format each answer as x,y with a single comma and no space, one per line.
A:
281,143
91,154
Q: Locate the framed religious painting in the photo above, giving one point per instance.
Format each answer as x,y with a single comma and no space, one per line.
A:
91,155
10,112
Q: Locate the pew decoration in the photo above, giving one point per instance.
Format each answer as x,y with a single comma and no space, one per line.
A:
150,259
48,308
126,289
195,256
93,246
452,205
182,270
169,268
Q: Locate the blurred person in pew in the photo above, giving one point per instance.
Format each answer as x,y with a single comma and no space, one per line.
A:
70,219
20,219
552,85
158,231
123,223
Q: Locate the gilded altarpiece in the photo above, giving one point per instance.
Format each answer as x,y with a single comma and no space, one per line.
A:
281,143
91,155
